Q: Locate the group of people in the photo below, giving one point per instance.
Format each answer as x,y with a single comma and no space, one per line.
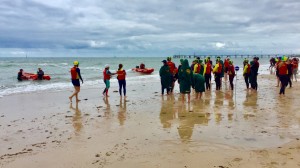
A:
286,70
76,77
40,74
197,75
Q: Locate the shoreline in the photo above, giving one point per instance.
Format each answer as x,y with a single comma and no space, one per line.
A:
149,130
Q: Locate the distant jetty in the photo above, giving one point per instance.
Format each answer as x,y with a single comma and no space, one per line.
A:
234,56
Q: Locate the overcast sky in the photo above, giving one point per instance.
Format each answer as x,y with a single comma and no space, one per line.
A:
148,27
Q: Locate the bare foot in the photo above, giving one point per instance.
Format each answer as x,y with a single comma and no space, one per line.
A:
78,100
70,99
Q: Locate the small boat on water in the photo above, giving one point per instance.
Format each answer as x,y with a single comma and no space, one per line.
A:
145,70
31,76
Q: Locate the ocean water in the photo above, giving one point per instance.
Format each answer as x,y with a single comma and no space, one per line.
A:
91,71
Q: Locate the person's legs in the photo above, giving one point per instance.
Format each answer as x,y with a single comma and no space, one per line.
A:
207,82
107,83
247,81
120,87
124,87
231,82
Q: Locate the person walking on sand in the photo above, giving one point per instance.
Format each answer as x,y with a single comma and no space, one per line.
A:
283,75
75,76
106,77
246,72
121,79
198,85
165,78
231,73
185,76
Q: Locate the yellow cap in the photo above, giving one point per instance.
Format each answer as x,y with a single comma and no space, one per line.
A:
76,63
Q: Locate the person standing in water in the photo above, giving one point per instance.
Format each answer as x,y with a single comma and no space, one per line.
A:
106,77
75,76
40,74
121,79
20,75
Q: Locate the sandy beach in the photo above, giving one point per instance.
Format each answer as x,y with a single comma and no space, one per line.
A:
249,129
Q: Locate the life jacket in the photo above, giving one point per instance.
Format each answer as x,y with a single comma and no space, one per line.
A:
220,68
208,68
171,66
283,70
226,63
248,71
74,74
198,68
121,74
105,76
231,70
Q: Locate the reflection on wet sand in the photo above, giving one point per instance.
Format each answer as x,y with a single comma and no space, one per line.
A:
167,113
188,119
122,111
107,111
77,119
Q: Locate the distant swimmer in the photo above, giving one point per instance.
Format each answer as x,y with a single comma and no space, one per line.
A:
121,79
106,78
142,66
40,74
20,75
75,76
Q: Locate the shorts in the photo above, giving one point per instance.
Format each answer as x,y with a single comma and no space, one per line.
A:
107,84
75,82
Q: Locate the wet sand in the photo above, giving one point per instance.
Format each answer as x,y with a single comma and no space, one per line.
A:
251,129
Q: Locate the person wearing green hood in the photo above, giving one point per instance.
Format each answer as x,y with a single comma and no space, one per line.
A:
198,85
165,77
185,76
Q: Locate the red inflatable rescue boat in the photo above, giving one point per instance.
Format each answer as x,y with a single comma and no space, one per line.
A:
145,71
31,76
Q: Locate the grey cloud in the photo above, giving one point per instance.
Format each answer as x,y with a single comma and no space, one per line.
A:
160,27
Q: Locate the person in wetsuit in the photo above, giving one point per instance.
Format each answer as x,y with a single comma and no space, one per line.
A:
40,74
75,76
20,75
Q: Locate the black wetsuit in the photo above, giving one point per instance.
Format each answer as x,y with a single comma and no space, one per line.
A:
20,74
